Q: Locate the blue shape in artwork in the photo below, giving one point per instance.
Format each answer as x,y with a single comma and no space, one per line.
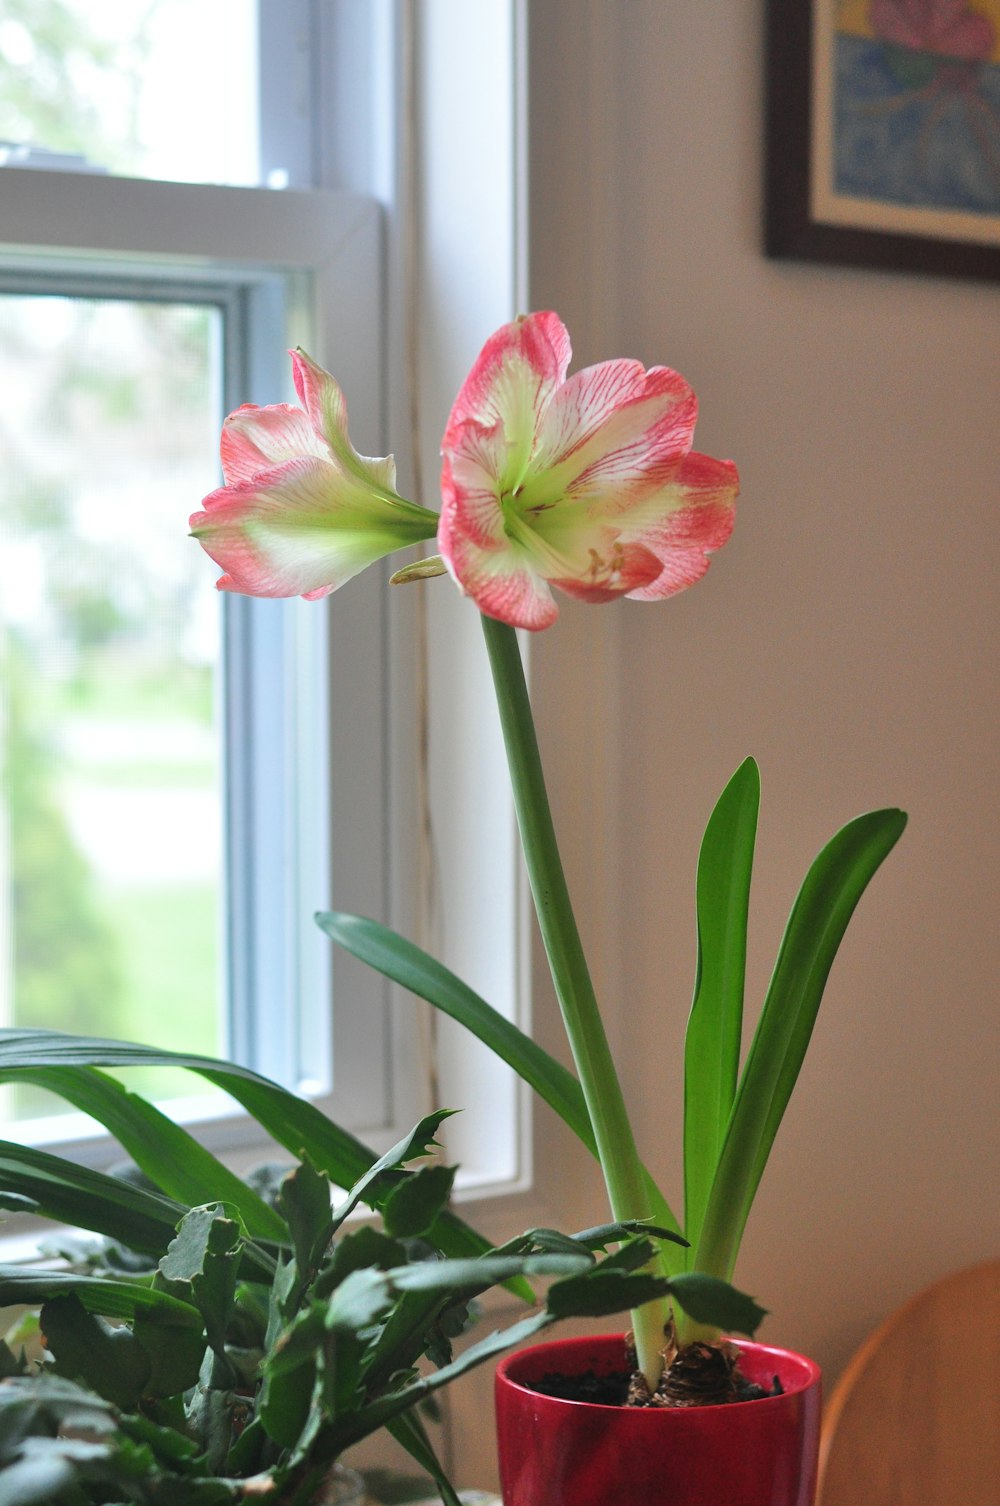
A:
911,128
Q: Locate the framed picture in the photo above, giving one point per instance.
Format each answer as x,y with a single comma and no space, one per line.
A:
883,133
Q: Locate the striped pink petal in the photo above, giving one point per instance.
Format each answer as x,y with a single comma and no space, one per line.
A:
257,439
324,402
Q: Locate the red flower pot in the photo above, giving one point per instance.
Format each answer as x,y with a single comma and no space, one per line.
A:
573,1453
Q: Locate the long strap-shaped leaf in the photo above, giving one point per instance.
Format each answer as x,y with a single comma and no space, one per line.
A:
110,1299
294,1122
819,918
178,1163
714,1032
405,963
89,1199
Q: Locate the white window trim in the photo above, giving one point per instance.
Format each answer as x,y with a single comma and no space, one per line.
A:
426,60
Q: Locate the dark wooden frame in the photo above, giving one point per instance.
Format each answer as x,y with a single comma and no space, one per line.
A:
790,232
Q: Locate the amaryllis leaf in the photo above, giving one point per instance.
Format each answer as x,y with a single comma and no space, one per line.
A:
294,1122
410,1433
169,1156
827,900
111,1299
712,1043
405,963
76,1195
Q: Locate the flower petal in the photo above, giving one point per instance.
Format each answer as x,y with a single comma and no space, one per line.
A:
324,402
302,529
621,570
509,389
609,424
503,586
257,439
695,516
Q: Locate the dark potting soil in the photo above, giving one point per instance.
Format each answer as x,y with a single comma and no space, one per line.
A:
612,1389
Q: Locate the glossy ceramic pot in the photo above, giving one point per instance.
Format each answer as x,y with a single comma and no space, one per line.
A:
573,1453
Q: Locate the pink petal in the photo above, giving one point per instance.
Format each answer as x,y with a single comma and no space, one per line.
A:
697,516
536,346
500,582
257,439
324,402
617,419
620,570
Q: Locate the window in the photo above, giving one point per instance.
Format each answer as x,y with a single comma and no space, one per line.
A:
362,94
165,747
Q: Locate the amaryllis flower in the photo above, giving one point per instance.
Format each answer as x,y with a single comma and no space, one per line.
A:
949,28
301,511
587,483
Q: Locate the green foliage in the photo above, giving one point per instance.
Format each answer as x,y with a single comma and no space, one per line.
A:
262,1338
730,1118
67,969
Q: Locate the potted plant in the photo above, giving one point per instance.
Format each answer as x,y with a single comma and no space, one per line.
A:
589,484
226,1341
586,483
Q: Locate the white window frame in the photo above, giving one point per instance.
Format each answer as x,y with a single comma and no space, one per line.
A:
345,259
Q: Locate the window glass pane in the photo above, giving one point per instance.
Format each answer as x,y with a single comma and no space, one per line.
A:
110,814
148,88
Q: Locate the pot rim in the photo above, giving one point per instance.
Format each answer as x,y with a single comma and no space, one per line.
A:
810,1374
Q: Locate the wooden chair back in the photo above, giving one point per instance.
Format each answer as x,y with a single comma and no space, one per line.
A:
915,1418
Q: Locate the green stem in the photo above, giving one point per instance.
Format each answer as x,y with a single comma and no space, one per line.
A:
585,1032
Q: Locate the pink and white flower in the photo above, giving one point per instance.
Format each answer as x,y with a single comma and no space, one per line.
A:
587,483
301,511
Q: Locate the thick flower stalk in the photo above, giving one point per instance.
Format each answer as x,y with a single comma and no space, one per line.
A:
301,511
586,483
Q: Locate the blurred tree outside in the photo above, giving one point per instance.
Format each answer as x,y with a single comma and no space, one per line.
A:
108,625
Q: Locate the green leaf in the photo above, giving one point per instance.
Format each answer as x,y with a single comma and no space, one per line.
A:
87,1349
716,1304
360,1300
598,1296
112,1299
827,900
409,1431
476,1276
411,1207
380,1412
75,1195
404,963
203,1259
372,1187
177,1162
304,1199
294,1122
714,1032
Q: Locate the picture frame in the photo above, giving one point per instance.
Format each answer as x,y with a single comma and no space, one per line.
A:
883,134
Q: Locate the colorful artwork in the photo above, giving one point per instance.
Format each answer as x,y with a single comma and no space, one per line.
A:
916,101
883,134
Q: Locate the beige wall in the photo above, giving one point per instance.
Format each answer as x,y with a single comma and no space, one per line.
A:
846,637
